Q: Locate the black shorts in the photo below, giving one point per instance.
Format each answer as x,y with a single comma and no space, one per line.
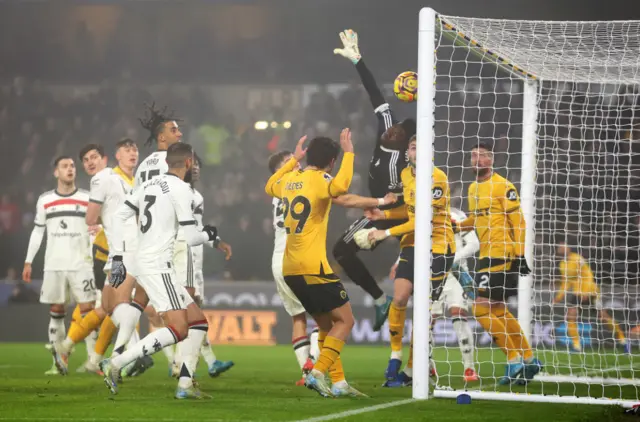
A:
98,273
318,294
587,301
365,223
440,266
495,280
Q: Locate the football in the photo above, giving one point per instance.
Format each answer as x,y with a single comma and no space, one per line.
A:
406,86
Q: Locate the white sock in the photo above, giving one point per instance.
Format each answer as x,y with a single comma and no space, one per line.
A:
408,371
207,352
135,337
95,358
465,341
314,352
396,355
57,331
90,341
301,347
169,353
149,345
381,300
127,316
189,353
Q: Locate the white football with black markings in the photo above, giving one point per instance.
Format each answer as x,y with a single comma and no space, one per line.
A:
361,237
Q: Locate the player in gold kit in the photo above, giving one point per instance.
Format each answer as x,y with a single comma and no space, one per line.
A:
307,196
495,214
578,287
443,248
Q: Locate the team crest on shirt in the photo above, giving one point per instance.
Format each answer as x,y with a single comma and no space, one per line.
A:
343,294
327,177
512,195
437,193
63,225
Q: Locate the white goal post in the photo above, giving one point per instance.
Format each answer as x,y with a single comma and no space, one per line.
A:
549,68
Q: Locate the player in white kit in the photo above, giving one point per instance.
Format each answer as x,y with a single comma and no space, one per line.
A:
215,367
453,300
68,264
162,204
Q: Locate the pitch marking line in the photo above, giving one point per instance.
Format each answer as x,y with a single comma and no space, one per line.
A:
353,412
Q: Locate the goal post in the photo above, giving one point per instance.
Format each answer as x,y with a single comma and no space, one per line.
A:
552,96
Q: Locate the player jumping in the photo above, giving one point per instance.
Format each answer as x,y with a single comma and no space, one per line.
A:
387,163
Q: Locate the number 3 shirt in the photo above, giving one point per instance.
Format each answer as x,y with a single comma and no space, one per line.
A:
306,201
163,204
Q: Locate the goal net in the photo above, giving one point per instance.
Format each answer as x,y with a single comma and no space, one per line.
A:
557,102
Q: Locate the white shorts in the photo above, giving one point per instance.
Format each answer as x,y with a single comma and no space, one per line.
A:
164,293
59,286
452,296
289,300
183,264
198,280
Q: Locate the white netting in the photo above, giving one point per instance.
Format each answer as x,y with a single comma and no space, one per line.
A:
587,183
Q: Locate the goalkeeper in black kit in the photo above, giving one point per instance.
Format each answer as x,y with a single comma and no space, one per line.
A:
387,162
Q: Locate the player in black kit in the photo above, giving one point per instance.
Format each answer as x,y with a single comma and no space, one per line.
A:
388,160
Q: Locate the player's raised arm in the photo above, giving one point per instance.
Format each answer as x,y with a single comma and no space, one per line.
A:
340,184
351,200
273,186
351,51
35,240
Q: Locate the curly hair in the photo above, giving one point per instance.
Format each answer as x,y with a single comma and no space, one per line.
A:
154,121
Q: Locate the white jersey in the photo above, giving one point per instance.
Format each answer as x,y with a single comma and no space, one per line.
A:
197,206
163,204
68,240
467,243
152,166
280,241
110,189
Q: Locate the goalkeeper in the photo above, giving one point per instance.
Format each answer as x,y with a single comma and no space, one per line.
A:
387,163
579,289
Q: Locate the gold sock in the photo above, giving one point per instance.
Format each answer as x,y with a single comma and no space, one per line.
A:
329,354
76,317
397,318
107,330
494,326
515,333
410,361
336,371
572,332
615,329
89,323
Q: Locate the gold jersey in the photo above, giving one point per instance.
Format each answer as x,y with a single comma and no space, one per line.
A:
442,236
306,196
495,213
577,278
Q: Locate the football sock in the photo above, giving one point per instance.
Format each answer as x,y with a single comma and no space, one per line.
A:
135,337
381,300
190,350
90,341
314,351
107,329
336,371
397,318
206,352
76,317
573,334
408,368
56,326
614,328
514,331
346,255
494,326
126,316
149,345
465,341
169,353
89,323
301,347
330,351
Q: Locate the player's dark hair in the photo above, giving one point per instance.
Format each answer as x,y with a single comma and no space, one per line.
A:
197,159
322,151
125,142
413,139
154,121
60,158
483,145
276,159
90,147
177,154
409,126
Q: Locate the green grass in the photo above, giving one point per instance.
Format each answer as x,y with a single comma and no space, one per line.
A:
261,387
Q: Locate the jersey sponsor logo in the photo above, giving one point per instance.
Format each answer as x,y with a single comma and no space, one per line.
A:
512,195
437,193
63,225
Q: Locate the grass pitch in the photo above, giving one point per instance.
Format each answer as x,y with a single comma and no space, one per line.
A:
261,387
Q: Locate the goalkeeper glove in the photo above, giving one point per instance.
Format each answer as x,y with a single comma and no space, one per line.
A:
520,265
211,231
118,272
350,51
465,280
